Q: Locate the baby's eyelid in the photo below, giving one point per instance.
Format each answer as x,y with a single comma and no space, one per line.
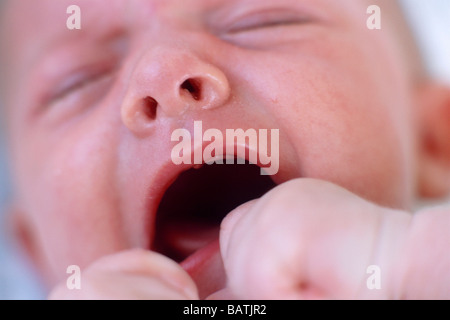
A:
67,85
266,20
75,82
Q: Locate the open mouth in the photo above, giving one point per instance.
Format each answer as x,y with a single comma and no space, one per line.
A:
191,210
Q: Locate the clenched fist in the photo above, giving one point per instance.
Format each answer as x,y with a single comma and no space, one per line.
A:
305,239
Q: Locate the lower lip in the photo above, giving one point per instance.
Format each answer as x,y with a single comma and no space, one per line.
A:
205,266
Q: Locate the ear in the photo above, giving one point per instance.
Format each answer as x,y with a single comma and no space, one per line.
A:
434,140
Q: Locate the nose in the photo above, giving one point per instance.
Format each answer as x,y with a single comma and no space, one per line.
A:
168,83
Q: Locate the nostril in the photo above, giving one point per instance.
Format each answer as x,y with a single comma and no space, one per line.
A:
193,87
149,106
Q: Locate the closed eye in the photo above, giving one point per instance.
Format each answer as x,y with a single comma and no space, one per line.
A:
75,83
267,20
76,95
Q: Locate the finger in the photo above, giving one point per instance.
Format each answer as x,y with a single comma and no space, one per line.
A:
223,294
230,221
134,274
305,239
252,254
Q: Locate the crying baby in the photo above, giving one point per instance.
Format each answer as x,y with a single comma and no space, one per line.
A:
123,138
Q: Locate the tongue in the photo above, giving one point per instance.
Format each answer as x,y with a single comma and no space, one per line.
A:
205,267
195,245
180,239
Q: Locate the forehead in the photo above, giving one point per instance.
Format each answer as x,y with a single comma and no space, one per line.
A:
32,29
23,14
30,22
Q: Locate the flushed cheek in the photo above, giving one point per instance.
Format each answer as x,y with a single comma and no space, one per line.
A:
349,141
342,128
74,204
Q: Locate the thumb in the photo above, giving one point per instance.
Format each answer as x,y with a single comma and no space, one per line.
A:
133,274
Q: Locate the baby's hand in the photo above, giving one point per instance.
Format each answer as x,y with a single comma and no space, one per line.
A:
134,274
312,239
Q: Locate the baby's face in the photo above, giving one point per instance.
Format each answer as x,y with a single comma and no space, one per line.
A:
92,111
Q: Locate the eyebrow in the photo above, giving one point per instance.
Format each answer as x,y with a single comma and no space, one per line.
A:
99,21
98,24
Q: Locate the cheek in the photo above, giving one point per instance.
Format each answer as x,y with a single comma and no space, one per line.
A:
345,119
70,196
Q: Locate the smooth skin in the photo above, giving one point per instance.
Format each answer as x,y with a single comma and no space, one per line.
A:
350,112
306,239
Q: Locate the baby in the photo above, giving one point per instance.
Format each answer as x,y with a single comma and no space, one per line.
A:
363,132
